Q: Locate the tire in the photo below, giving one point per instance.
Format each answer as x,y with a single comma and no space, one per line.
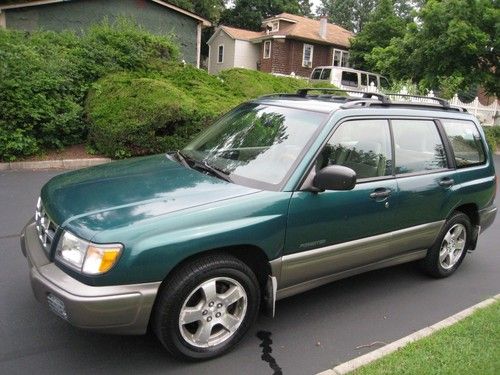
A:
450,248
206,307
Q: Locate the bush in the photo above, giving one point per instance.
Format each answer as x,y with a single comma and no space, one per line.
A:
247,84
492,134
44,78
130,115
140,113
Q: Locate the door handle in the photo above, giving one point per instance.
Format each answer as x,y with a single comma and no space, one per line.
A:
446,182
380,193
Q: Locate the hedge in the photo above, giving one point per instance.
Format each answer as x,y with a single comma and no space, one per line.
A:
141,113
45,76
492,134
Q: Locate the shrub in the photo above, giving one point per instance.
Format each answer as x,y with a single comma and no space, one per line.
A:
492,134
139,113
248,84
133,115
44,78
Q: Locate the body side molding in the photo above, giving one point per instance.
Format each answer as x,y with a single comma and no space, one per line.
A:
305,270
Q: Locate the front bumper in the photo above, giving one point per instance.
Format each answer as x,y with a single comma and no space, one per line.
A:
121,309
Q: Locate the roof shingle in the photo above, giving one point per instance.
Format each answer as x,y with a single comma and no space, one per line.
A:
307,28
242,34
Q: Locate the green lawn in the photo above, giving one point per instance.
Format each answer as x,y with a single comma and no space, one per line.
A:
471,346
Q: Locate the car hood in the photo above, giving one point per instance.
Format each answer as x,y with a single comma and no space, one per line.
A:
125,192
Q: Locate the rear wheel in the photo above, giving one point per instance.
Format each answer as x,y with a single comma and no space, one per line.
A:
206,307
446,255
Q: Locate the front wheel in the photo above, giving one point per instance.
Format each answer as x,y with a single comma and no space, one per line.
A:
450,248
206,307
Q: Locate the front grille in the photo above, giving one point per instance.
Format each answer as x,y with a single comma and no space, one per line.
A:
45,227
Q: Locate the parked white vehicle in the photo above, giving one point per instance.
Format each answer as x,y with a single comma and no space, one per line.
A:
348,78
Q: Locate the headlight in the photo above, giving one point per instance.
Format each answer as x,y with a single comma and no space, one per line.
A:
86,257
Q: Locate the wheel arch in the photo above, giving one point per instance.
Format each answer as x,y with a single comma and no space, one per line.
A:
472,212
253,256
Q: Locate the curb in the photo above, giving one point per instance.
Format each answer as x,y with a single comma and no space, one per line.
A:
52,164
365,359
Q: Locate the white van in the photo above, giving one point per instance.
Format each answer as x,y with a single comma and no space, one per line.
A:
347,77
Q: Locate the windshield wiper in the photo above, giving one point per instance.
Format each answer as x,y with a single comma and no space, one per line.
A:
213,170
203,165
182,158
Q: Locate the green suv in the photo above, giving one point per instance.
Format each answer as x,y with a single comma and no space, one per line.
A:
282,194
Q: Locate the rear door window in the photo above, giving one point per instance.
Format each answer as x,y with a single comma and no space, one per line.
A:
418,146
465,141
325,74
350,79
316,74
364,79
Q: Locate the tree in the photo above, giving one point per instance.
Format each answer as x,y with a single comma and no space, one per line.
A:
209,9
249,14
305,8
453,45
350,14
383,25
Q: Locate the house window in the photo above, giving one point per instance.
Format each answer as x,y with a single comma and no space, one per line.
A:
267,49
340,58
220,54
275,26
307,55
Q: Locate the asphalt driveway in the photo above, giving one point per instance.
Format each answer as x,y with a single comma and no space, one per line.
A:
312,332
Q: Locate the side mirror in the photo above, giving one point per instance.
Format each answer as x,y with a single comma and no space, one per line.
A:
335,177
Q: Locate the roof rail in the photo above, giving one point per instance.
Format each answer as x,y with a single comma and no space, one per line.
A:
443,102
366,95
368,99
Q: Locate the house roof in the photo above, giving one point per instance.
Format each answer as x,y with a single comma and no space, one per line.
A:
308,29
27,3
234,33
300,28
241,34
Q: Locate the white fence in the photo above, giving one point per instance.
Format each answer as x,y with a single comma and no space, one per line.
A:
487,114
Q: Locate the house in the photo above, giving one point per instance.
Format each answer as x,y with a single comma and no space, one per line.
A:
159,17
230,47
288,44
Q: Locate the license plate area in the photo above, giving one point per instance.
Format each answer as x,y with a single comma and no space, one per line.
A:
56,305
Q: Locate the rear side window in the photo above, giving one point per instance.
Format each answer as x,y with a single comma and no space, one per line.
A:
350,79
364,79
418,146
325,74
316,74
465,141
362,145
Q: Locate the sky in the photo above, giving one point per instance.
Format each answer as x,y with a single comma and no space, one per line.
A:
315,5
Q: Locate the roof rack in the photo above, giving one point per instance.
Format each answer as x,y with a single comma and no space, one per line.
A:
366,95
443,102
367,99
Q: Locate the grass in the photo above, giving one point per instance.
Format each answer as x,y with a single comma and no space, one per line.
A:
470,347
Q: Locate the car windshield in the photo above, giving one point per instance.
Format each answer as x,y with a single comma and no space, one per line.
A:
256,143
